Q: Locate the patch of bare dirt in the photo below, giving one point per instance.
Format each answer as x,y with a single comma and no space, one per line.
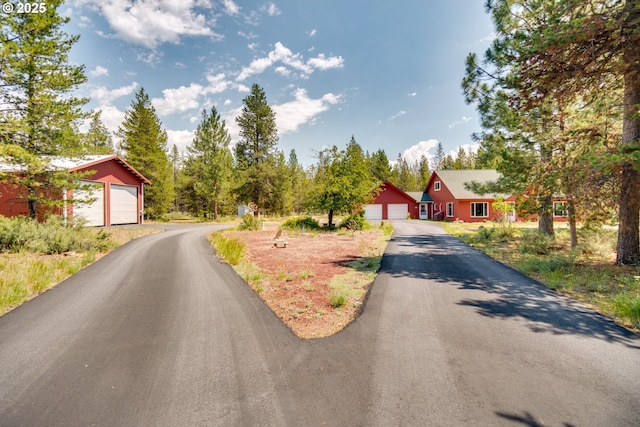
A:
296,281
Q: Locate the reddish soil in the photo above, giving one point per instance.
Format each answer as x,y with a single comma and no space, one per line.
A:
295,279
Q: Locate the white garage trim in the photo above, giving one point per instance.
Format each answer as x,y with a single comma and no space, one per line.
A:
373,212
123,204
397,211
88,208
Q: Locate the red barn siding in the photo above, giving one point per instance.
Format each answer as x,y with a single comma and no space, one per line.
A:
390,194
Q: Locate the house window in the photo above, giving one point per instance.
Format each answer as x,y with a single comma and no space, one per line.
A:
479,210
560,209
449,209
436,186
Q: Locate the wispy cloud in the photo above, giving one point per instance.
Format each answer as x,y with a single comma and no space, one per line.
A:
464,119
230,7
272,9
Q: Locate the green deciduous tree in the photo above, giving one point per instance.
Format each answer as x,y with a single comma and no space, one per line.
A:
144,144
209,162
343,181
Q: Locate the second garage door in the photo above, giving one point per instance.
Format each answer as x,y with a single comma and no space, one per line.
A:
398,211
124,204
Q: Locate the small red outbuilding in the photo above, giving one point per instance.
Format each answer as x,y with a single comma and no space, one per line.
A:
115,191
391,203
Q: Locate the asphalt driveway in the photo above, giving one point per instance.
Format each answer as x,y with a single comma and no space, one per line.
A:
160,333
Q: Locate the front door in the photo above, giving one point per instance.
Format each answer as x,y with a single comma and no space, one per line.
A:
423,211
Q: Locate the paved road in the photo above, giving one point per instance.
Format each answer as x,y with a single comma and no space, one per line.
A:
159,333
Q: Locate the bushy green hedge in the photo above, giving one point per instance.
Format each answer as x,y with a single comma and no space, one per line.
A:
50,237
249,222
299,223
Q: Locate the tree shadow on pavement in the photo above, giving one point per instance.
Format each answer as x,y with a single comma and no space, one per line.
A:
503,292
526,419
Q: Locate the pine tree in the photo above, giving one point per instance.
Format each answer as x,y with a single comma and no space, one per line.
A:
209,162
39,115
144,143
98,139
380,166
256,152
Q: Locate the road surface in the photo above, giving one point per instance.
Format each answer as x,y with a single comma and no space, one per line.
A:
160,333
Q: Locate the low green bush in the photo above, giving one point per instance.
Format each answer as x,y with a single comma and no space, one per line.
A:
301,223
21,234
354,222
536,243
249,222
338,299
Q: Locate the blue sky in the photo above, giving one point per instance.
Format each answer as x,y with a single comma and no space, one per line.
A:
386,72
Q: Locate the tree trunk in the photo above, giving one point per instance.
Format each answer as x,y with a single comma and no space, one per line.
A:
330,225
571,208
628,250
545,216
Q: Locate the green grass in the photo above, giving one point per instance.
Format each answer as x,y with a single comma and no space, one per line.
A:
228,248
587,273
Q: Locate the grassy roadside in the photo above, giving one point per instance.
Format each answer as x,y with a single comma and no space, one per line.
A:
587,273
26,273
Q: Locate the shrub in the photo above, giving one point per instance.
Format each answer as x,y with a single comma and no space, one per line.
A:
354,222
249,222
301,223
50,237
536,243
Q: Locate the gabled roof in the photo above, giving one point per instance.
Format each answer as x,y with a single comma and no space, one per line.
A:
391,186
455,181
420,196
73,164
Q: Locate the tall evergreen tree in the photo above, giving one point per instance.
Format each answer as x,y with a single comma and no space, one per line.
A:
98,139
256,152
563,49
144,143
209,162
380,166
39,116
299,182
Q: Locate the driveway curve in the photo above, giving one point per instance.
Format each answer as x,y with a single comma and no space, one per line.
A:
160,333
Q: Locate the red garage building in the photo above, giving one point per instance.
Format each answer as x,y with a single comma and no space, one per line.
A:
114,189
392,203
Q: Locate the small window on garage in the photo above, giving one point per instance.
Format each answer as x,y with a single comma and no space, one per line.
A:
449,209
479,210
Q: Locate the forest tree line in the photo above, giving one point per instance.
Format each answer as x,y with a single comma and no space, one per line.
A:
558,94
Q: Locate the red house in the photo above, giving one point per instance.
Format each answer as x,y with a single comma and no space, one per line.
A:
393,203
115,191
453,201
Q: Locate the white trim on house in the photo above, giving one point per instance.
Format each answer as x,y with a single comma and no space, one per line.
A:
484,209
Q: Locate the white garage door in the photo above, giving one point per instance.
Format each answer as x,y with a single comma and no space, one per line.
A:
89,208
124,204
397,211
372,212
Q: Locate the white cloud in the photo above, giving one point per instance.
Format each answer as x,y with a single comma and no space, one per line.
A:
111,117
413,154
312,33
282,54
412,94
105,96
179,138
324,63
230,7
178,100
398,114
99,71
291,115
152,22
272,10
464,119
